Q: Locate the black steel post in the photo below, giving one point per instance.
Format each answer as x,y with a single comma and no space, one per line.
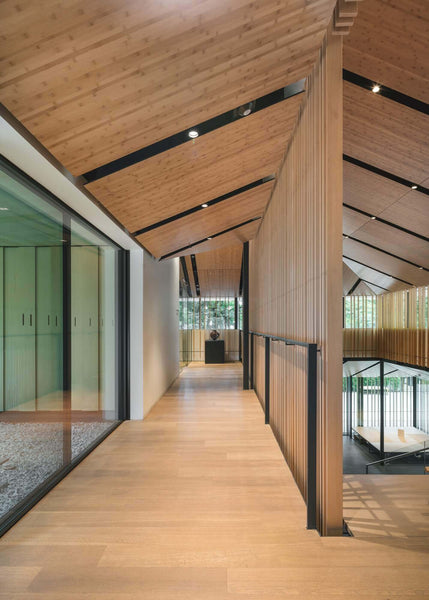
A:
252,361
312,437
235,313
414,401
350,404
240,358
245,348
382,408
67,337
267,380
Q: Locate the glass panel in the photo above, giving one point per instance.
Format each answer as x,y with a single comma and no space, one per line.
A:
44,251
31,401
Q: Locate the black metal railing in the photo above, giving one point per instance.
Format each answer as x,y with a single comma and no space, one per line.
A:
383,461
311,410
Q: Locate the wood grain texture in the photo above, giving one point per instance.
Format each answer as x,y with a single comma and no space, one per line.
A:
95,81
238,236
388,44
295,282
199,170
204,223
196,503
401,331
394,138
219,271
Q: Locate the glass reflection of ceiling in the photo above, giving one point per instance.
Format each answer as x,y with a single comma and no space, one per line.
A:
26,219
371,368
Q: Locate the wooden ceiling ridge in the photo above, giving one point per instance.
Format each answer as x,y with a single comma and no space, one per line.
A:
209,237
203,128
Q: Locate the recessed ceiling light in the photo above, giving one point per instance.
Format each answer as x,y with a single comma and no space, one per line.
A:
193,133
3,208
421,268
346,237
413,187
373,218
376,88
204,205
209,238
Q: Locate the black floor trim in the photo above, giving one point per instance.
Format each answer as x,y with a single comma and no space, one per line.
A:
182,137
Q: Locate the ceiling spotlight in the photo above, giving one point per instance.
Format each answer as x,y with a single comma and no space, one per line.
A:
209,238
413,187
204,205
193,133
375,88
244,110
421,268
346,237
373,218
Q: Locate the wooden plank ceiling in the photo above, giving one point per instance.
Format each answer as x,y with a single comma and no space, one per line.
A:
388,45
218,272
95,81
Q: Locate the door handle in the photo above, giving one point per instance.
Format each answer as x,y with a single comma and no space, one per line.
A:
23,319
31,320
49,320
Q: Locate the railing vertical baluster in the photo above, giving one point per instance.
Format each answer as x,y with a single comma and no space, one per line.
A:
311,436
267,380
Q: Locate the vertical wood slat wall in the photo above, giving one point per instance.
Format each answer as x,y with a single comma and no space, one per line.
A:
400,332
295,284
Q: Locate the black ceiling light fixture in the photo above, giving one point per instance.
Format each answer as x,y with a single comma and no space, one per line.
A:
245,110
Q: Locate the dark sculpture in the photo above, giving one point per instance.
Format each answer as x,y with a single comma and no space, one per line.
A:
214,334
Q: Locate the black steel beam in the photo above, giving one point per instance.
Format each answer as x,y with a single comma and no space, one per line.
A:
386,174
209,203
186,276
312,437
386,92
195,272
182,137
245,347
354,286
213,235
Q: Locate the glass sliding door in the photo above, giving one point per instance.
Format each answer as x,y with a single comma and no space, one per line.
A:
61,346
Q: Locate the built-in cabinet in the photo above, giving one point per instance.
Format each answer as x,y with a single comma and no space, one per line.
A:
31,322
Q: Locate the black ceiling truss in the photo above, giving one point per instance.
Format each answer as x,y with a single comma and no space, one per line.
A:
386,92
386,174
214,235
183,136
209,203
354,286
378,270
195,272
349,237
389,223
186,276
366,368
374,284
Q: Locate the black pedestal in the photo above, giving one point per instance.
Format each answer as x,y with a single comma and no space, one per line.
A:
215,351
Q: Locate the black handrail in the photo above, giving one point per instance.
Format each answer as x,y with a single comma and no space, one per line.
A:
311,413
397,457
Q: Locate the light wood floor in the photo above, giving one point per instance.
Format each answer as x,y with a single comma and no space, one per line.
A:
197,503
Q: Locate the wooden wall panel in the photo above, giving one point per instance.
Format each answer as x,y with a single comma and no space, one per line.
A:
295,282
401,332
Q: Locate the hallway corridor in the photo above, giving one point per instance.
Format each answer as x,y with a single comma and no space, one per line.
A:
195,503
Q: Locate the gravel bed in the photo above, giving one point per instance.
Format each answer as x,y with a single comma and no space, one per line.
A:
31,452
